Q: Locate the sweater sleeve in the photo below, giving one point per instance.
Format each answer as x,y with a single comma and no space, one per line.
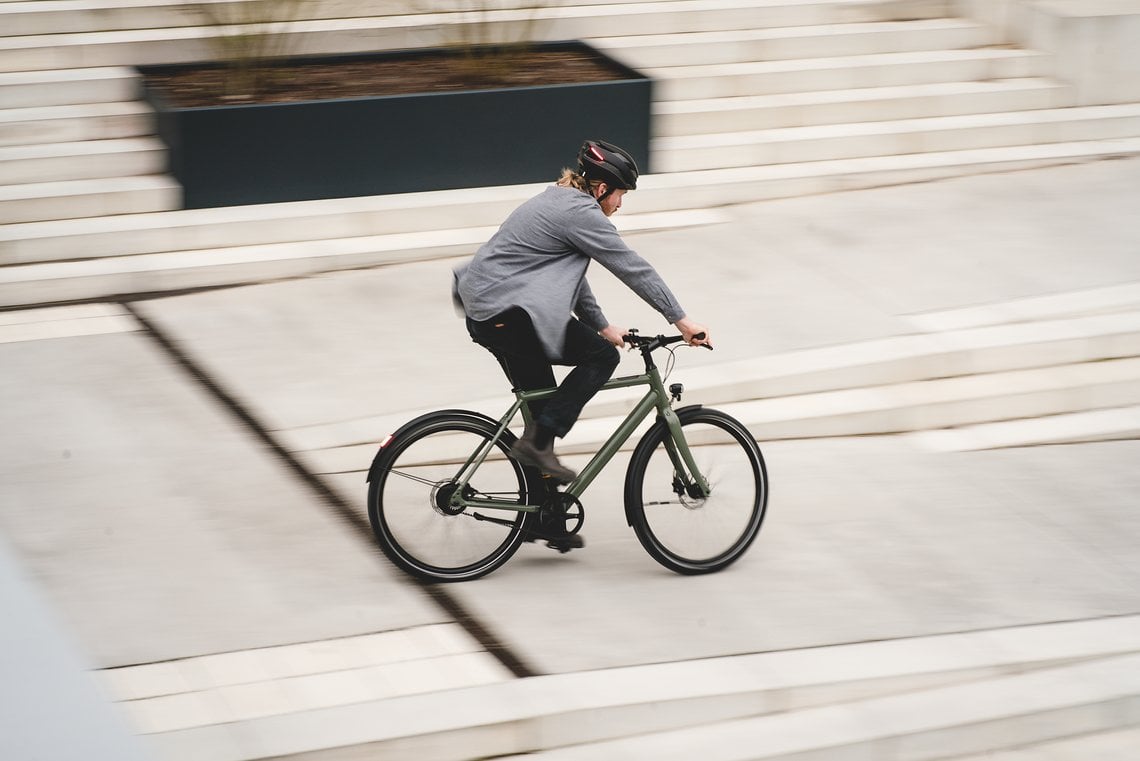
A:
587,309
596,237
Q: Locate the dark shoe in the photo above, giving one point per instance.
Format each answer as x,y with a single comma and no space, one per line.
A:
527,453
553,532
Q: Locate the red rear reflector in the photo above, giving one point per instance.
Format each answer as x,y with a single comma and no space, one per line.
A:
596,153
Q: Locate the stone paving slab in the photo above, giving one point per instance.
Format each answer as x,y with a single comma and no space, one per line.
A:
865,540
157,526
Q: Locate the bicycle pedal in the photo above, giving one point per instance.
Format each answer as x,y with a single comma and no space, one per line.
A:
572,542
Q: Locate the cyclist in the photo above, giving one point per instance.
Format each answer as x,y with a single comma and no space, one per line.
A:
526,298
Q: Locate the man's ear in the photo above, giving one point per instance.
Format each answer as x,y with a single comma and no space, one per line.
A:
600,189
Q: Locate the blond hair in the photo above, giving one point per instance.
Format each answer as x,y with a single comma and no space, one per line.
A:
571,179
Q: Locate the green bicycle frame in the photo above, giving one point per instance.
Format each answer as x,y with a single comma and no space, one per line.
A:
656,397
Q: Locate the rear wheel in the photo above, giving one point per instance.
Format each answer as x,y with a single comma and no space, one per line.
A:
410,487
680,529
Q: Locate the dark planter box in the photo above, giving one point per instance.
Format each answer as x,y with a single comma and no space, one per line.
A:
266,153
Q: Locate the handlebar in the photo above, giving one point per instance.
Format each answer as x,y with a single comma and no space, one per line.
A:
647,343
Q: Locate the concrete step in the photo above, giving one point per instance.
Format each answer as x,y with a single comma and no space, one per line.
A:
736,185
1090,301
1117,745
65,322
421,212
87,279
68,87
161,233
844,73
964,377
798,42
345,35
932,134
870,104
43,17
947,403
906,359
392,694
84,160
990,715
329,450
900,408
35,202
22,18
64,124
230,227
1114,424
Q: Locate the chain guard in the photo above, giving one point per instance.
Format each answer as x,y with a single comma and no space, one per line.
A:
568,507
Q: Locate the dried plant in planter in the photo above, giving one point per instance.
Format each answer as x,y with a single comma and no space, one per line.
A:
490,37
246,36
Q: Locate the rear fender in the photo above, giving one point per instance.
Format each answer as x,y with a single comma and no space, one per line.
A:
508,437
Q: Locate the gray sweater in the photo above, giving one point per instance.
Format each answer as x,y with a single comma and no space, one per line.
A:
538,258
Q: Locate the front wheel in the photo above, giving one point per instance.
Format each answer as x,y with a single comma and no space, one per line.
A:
680,529
410,484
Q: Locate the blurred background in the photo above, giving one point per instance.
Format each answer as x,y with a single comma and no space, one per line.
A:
909,224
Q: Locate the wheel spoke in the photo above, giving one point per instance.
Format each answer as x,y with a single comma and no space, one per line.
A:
417,479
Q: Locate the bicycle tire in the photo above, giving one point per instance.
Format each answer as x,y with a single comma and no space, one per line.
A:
697,536
407,506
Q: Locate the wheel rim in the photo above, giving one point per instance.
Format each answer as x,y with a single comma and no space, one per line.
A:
699,533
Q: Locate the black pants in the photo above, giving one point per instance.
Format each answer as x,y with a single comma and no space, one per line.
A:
511,338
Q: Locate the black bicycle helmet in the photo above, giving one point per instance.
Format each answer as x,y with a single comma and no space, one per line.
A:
607,163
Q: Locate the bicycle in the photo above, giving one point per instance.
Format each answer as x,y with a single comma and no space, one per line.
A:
447,502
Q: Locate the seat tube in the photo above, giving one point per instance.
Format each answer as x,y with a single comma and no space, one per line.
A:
480,454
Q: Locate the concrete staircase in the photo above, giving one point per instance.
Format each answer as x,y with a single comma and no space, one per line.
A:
77,143
1065,688
755,99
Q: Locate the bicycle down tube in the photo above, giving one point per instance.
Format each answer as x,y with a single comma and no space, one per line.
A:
656,397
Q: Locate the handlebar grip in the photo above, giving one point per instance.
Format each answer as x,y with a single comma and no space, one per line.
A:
700,337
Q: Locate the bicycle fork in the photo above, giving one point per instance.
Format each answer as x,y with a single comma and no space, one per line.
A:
687,476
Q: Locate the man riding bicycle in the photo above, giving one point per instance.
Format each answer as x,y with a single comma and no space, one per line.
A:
526,298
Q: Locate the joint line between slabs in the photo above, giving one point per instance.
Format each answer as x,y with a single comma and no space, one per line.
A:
440,596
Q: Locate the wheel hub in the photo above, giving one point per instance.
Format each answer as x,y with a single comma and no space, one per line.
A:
441,495
690,496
